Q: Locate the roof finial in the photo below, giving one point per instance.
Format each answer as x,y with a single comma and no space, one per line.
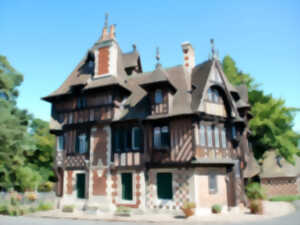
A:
157,57
106,20
212,43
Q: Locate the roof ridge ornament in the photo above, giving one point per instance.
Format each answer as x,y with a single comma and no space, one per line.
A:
106,20
157,58
213,51
104,35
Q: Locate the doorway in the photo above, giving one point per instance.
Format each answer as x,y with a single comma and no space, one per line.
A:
80,185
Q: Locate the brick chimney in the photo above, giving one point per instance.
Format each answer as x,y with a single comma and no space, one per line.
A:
188,56
112,32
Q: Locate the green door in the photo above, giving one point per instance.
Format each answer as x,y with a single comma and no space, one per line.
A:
80,185
126,186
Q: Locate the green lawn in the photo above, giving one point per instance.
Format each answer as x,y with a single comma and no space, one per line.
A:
285,198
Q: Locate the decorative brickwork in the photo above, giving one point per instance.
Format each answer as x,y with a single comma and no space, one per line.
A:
280,186
69,182
180,190
103,61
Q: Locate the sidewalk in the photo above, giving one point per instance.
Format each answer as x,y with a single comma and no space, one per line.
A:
271,209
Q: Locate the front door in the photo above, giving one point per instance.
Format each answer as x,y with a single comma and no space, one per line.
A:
126,186
80,185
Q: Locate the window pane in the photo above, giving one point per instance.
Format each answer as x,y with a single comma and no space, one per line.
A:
127,138
157,141
212,183
215,96
209,94
60,143
233,131
202,135
158,97
209,136
165,138
136,138
164,186
118,140
217,138
224,139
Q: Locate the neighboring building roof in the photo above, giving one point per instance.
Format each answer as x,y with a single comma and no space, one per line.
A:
252,167
273,166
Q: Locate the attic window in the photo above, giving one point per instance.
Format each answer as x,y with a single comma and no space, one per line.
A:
91,64
158,97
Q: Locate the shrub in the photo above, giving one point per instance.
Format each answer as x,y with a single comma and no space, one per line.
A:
123,211
256,206
68,208
15,198
31,196
216,208
45,206
46,187
285,198
189,205
254,191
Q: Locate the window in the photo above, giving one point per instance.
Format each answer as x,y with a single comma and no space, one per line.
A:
209,136
136,138
60,143
202,135
161,137
81,102
164,186
212,183
91,64
82,143
127,138
224,139
126,180
209,95
158,97
217,137
234,135
215,95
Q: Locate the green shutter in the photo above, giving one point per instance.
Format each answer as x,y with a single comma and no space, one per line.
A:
126,186
164,186
80,185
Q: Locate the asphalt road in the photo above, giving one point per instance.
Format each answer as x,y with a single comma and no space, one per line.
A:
291,219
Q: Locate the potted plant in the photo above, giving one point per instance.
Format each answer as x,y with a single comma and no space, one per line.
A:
216,208
188,209
255,194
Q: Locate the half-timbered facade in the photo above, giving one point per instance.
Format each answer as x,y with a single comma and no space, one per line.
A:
149,140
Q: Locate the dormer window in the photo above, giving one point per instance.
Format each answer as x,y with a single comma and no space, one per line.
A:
91,64
158,96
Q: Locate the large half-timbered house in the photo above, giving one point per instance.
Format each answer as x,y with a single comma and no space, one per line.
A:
149,140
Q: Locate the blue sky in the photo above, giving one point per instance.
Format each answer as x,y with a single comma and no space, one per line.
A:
45,40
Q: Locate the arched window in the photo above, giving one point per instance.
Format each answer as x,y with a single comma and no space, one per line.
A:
158,97
202,135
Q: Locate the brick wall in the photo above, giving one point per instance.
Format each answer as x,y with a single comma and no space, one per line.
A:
99,183
280,186
69,182
103,61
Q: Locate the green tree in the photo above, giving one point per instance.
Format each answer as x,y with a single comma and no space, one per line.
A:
272,123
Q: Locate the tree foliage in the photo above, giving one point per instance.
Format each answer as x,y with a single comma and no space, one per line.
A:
17,169
272,123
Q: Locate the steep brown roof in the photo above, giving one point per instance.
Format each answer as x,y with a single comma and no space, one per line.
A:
271,167
199,78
